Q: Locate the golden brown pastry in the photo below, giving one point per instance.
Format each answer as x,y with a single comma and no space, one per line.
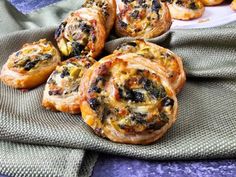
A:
108,8
158,55
233,5
186,9
212,2
82,33
126,101
61,91
143,18
31,65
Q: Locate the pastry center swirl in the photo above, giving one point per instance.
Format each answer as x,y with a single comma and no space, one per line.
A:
130,99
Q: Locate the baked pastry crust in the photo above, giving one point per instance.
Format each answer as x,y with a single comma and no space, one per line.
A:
143,19
61,91
82,33
31,65
158,55
186,9
126,101
212,2
108,8
233,5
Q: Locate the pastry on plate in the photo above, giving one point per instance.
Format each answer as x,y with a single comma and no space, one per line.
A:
142,18
212,2
186,9
233,5
31,65
82,33
61,91
126,101
171,62
108,8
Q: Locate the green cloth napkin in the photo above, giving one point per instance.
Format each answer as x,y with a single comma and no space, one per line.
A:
206,122
30,160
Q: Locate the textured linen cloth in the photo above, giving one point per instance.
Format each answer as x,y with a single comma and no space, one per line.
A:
206,122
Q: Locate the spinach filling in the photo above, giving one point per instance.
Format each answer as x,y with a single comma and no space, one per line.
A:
123,24
154,90
28,64
167,102
135,14
77,48
64,73
131,95
127,1
156,5
60,29
94,103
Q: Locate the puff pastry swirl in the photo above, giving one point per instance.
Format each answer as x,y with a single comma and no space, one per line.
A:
186,9
172,63
126,101
61,91
108,8
31,65
142,18
82,33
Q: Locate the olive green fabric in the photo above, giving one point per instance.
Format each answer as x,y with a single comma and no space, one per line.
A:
206,122
31,160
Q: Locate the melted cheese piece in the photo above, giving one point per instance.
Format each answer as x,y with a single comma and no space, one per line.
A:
122,98
160,56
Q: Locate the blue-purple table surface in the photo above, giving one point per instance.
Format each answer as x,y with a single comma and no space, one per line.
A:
110,165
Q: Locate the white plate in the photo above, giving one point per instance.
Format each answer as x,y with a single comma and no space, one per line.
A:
212,17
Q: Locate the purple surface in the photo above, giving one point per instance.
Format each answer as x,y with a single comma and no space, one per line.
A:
110,166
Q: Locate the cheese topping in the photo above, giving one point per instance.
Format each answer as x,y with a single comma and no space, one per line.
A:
189,4
131,99
65,80
140,16
31,56
157,54
77,35
103,4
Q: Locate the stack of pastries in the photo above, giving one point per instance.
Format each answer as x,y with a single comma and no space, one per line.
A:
128,96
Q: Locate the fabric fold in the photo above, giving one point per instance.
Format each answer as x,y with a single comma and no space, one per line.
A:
30,160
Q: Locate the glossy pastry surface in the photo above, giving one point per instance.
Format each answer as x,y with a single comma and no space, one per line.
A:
82,33
31,65
142,18
158,55
108,8
186,9
126,101
212,2
61,91
233,5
